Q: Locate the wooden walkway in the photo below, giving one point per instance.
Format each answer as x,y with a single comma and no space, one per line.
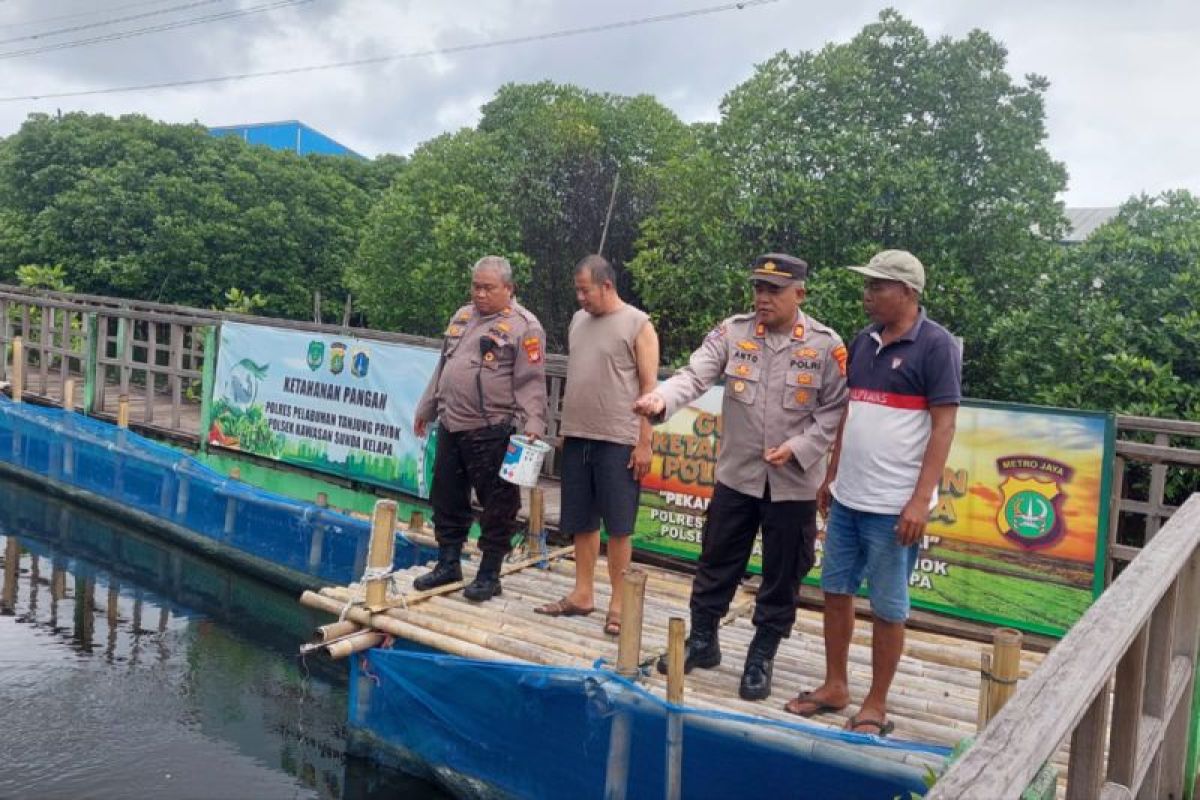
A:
934,699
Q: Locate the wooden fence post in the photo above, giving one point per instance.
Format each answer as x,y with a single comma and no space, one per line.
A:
18,368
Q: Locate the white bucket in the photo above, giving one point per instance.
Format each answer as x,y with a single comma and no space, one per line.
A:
523,460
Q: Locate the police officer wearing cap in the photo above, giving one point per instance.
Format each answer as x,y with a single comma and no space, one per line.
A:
489,381
785,388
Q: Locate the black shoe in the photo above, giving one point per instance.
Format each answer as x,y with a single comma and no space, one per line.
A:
760,663
487,581
702,648
483,588
447,570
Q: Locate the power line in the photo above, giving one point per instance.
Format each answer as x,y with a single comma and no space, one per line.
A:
112,21
465,48
166,26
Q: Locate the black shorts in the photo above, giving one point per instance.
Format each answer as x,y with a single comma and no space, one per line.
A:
597,485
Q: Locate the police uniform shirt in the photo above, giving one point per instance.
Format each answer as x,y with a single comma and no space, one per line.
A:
501,353
788,390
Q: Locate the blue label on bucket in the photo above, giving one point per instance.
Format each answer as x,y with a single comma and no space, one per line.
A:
512,455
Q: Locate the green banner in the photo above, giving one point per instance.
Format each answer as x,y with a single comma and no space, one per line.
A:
1017,537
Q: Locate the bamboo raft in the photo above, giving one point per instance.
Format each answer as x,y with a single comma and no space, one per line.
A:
935,697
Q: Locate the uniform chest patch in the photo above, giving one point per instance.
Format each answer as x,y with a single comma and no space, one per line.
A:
533,349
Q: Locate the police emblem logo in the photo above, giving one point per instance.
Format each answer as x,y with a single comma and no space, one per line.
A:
463,317
503,327
760,330
742,370
489,356
533,349
454,330
841,355
749,345
798,332
1030,513
806,352
804,379
337,358
739,386
802,396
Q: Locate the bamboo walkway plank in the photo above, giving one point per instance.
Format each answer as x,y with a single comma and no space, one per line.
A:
934,697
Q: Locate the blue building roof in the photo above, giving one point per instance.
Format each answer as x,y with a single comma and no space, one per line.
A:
288,135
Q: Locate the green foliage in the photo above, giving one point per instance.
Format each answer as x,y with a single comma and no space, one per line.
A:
165,212
888,140
532,183
36,276
1112,323
239,302
444,210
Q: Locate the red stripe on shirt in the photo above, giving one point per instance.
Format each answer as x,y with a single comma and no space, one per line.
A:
908,402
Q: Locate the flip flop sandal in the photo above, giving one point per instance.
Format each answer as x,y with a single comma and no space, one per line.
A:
817,706
563,608
884,728
612,625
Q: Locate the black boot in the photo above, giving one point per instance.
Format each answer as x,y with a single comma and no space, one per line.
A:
447,570
760,660
702,649
487,581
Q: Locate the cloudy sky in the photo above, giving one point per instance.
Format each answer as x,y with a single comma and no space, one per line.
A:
1120,111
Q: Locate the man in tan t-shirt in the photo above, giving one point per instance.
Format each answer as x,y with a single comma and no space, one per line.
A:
613,360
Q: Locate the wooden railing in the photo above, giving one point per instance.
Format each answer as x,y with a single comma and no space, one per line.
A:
1140,503
1139,640
155,353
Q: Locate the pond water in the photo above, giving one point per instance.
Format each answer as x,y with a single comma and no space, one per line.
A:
130,668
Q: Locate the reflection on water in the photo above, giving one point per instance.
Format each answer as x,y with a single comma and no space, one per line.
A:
130,668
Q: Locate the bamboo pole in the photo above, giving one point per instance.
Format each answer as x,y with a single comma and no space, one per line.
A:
317,545
985,689
536,540
68,450
182,496
629,645
18,369
336,630
381,553
1006,669
675,655
123,411
12,559
416,521
447,643
355,643
231,504
415,597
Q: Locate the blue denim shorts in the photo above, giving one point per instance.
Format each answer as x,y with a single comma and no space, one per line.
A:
861,544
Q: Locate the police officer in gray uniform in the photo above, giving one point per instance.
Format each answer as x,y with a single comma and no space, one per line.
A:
490,381
785,388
